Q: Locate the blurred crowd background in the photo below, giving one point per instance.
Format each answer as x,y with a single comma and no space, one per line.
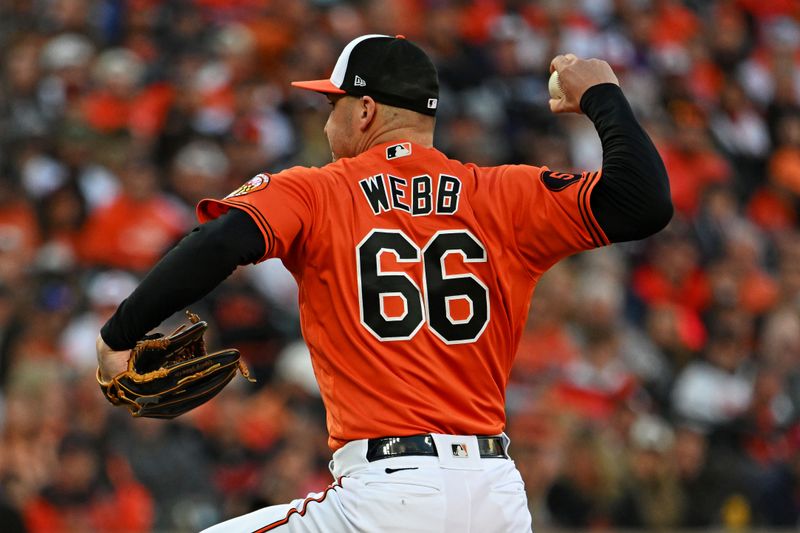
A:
657,385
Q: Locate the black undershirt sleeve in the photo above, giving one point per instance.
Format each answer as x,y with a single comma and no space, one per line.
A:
632,199
200,262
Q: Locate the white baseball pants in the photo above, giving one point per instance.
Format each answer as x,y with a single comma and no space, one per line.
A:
450,493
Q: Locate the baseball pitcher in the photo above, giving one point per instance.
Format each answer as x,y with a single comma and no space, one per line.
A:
415,275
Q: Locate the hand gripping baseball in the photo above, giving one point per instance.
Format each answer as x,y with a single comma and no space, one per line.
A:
575,76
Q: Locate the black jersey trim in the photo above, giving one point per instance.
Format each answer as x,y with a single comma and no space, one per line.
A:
582,209
593,179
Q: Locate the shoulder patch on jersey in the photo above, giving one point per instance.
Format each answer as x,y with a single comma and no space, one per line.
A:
398,150
558,181
256,183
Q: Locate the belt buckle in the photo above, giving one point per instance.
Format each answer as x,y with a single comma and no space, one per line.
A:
388,447
492,447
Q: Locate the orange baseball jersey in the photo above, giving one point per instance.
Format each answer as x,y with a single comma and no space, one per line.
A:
415,275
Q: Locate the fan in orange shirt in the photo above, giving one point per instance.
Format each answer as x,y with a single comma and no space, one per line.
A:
135,228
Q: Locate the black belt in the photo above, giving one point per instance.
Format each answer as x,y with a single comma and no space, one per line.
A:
386,447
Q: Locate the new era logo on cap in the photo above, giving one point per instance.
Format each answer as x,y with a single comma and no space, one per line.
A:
400,74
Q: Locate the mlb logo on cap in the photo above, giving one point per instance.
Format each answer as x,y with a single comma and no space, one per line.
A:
392,70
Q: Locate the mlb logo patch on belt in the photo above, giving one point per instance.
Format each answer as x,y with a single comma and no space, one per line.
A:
398,150
459,450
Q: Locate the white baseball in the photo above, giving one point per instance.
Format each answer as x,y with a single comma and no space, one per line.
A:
554,86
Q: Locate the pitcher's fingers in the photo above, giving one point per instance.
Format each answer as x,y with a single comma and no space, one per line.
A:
557,105
561,61
558,60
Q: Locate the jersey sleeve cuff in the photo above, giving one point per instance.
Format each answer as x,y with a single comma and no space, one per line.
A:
597,234
210,208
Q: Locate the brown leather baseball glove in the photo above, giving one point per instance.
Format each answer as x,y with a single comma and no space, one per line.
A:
168,376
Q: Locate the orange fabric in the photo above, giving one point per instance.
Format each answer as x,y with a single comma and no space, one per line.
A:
758,292
763,9
250,5
143,113
409,17
592,403
543,351
130,234
772,210
272,35
476,20
150,108
705,81
784,169
128,508
693,292
691,332
674,23
318,221
690,173
106,112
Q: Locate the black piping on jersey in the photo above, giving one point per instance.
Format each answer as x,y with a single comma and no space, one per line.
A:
594,177
261,220
584,209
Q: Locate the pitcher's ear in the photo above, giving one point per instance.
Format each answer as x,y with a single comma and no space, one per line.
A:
368,110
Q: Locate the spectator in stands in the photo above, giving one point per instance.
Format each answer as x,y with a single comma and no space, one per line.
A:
582,497
651,496
718,389
133,231
85,495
